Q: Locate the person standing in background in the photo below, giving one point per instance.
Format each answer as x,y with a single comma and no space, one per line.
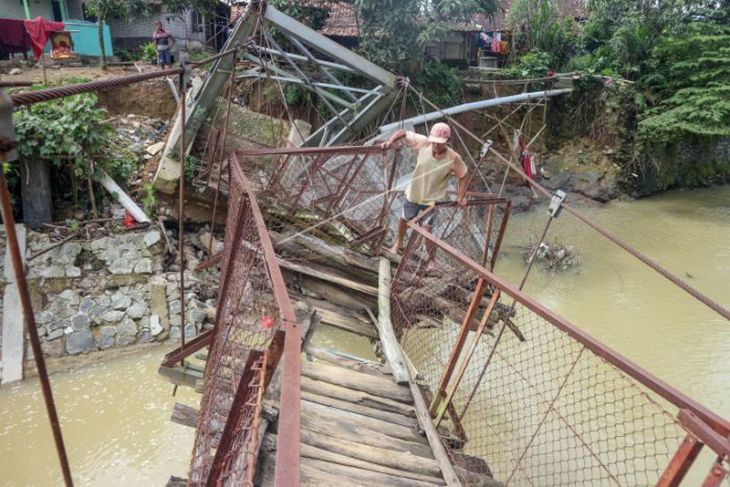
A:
163,43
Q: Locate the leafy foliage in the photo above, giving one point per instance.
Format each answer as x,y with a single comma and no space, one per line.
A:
72,132
394,32
149,52
692,79
539,27
439,83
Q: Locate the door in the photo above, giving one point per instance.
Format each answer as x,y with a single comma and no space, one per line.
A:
57,12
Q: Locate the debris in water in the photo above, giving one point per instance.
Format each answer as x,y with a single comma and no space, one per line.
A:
554,257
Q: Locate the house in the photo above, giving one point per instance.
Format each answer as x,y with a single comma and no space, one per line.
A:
191,29
83,33
457,46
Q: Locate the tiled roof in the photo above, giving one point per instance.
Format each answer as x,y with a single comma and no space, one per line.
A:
342,21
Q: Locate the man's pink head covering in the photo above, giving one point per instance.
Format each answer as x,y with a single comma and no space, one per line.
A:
440,133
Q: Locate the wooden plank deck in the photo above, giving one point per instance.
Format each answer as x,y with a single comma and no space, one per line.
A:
357,429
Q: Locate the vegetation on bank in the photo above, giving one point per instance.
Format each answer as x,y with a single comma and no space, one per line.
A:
670,60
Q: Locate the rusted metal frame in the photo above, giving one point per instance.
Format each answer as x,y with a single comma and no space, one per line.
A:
229,256
210,262
211,146
288,448
551,407
302,151
720,444
443,383
347,180
633,370
718,473
281,167
681,462
181,353
488,234
30,325
306,180
500,235
235,415
252,450
469,353
181,205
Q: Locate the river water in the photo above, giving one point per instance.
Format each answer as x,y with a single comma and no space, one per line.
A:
115,415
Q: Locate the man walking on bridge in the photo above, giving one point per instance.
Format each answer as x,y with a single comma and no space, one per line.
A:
435,164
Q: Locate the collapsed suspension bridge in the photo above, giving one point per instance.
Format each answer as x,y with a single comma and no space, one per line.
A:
482,385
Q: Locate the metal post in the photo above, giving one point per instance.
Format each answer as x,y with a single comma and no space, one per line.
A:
7,147
26,9
181,202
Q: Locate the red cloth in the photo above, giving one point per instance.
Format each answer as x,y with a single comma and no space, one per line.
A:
39,30
526,159
13,36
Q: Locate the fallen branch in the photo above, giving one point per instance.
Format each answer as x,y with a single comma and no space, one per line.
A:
53,246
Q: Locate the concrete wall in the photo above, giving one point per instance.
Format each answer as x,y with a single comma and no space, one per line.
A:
130,34
13,9
86,38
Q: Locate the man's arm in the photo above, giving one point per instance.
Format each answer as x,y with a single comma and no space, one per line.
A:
460,172
399,134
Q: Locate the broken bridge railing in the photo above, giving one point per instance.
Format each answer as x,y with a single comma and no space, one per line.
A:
339,194
255,326
525,396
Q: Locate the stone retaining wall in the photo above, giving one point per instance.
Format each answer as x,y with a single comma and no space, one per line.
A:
109,292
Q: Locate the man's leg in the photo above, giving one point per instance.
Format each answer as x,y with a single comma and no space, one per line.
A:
430,247
402,225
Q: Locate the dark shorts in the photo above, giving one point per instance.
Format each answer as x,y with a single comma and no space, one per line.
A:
411,210
164,57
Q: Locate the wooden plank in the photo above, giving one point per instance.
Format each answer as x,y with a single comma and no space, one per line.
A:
314,453
434,439
329,277
391,348
358,409
361,436
13,324
340,417
393,455
358,476
184,415
357,380
351,324
347,361
356,397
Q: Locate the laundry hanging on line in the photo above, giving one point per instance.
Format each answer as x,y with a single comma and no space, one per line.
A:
18,36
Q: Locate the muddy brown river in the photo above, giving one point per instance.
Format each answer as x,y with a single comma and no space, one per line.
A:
115,415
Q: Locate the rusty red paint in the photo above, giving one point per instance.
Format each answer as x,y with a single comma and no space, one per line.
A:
181,353
681,462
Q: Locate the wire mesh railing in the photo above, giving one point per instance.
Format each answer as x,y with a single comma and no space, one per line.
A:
341,195
521,394
254,322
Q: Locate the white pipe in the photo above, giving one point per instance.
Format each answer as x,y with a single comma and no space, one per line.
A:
473,106
122,197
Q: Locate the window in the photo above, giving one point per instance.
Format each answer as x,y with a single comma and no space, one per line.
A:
196,21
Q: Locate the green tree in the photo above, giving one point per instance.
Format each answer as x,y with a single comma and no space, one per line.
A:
393,32
103,9
539,27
